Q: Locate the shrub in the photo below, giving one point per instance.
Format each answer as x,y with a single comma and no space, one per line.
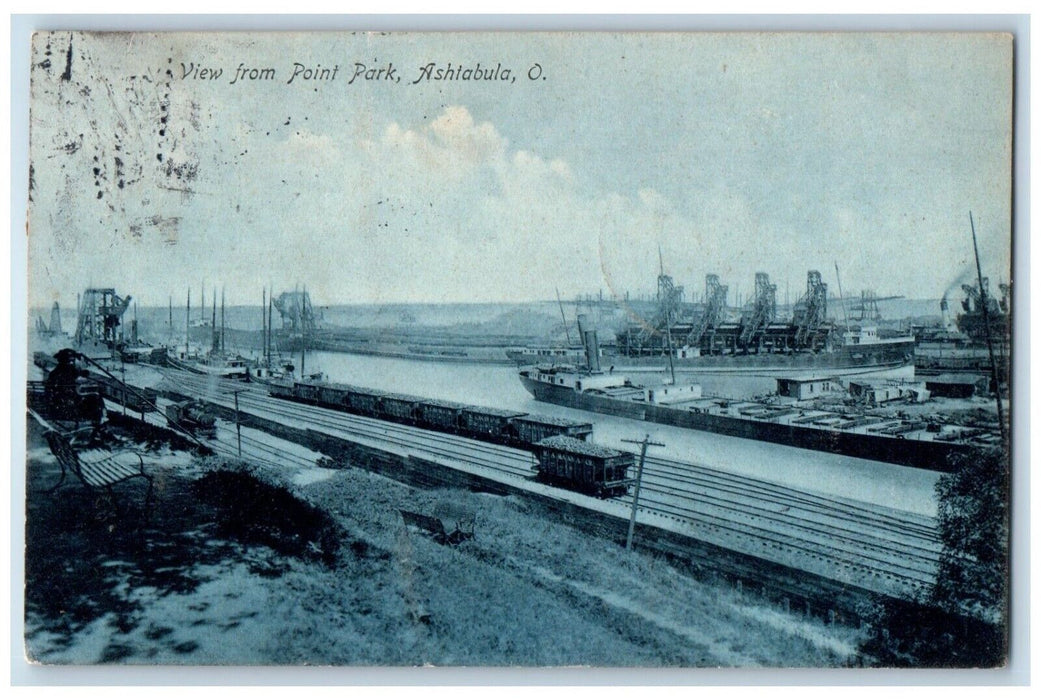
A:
253,511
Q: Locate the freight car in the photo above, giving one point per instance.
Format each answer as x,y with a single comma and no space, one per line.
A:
139,400
400,408
307,392
334,395
583,466
282,390
514,428
484,423
530,429
441,415
365,402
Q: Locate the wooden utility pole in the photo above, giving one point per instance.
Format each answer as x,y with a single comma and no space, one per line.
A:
639,480
238,423
990,342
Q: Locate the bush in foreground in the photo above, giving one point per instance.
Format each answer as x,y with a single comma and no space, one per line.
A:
255,512
963,621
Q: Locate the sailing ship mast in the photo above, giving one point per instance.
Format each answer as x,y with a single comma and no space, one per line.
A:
213,324
270,331
187,322
222,348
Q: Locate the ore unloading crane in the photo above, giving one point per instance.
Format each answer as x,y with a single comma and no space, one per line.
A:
810,314
296,311
761,313
649,336
45,331
714,312
670,300
866,307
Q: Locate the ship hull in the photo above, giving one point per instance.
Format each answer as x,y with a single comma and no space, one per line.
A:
920,454
209,370
844,361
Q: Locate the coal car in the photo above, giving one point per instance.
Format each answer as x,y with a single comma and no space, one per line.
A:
282,390
333,395
440,415
137,399
508,427
530,428
583,466
400,408
365,402
480,422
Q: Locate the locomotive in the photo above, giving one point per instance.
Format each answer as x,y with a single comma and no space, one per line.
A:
193,416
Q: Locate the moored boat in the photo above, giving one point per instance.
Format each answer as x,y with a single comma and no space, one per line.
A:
924,444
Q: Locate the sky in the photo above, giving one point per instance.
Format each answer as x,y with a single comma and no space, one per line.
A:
731,153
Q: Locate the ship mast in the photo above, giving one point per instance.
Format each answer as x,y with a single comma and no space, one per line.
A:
303,334
187,322
842,299
563,318
213,325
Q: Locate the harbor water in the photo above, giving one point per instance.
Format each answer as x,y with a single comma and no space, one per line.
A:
902,488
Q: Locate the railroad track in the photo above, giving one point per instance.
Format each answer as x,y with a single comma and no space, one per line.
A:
904,523
226,443
835,522
809,550
843,549
497,458
832,532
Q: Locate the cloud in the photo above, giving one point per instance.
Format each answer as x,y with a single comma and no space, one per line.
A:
450,210
723,160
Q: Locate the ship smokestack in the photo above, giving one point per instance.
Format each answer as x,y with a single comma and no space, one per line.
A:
590,343
945,315
55,319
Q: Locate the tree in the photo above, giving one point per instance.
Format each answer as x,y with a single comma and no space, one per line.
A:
972,509
963,621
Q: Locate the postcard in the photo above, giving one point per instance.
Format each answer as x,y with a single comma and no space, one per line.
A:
519,349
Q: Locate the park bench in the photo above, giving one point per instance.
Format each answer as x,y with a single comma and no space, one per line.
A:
435,527
97,469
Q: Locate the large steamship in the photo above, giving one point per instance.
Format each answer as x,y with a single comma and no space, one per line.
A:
916,443
708,339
